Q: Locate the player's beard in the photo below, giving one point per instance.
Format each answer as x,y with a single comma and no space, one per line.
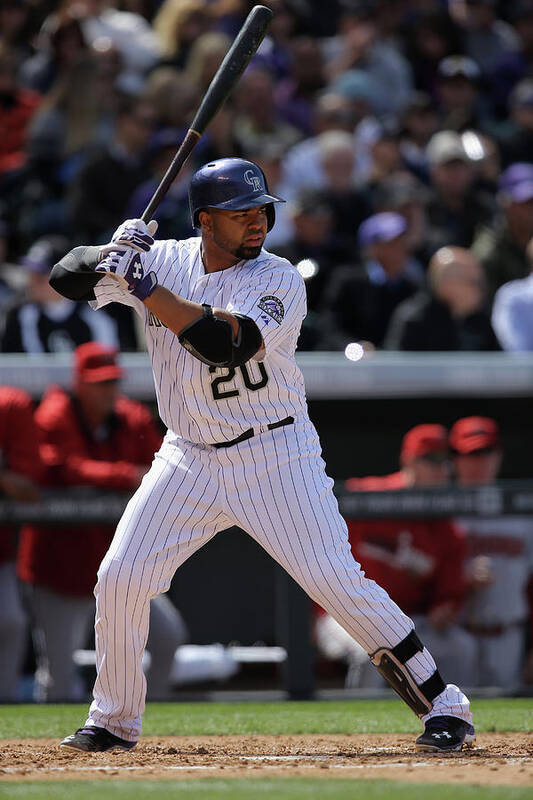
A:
242,251
246,253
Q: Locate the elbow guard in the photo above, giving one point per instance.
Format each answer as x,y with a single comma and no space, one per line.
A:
210,339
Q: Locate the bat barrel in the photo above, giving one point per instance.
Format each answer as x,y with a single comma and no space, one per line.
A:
235,62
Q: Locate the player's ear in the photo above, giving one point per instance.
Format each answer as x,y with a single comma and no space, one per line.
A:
206,221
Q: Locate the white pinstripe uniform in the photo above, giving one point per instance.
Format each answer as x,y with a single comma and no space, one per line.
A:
273,485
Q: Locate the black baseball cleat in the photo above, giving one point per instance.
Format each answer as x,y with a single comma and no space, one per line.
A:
445,735
95,740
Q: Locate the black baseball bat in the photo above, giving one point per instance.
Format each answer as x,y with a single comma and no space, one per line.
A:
235,62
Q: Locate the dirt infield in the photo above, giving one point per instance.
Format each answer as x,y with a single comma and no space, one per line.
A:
496,759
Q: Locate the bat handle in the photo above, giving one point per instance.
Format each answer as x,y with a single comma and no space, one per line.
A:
185,149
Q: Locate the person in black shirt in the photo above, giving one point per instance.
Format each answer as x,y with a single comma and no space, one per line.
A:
451,314
361,297
44,322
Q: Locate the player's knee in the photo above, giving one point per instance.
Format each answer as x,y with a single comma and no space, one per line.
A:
121,578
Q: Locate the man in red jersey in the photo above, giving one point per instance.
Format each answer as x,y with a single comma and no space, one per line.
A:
98,438
19,475
498,612
418,561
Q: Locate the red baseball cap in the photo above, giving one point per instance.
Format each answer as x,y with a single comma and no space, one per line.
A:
474,433
95,363
422,440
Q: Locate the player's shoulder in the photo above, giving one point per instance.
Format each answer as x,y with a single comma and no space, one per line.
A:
517,291
175,249
271,264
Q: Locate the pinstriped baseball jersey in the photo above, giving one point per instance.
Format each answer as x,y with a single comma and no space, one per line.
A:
205,404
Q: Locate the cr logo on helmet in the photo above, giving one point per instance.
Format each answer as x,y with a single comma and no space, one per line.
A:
253,180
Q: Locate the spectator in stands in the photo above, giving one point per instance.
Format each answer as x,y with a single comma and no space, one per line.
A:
419,122
94,437
257,122
419,561
404,194
76,115
501,247
485,35
104,185
76,118
295,95
512,311
172,96
350,202
516,142
429,35
458,94
178,24
358,46
455,208
497,613
385,154
361,298
451,314
335,110
44,321
58,46
512,66
20,473
129,32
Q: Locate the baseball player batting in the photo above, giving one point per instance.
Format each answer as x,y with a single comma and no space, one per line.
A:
221,317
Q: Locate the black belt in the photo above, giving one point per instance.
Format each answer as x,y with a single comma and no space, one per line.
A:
250,432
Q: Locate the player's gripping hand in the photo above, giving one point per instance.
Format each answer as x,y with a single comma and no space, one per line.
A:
133,234
125,267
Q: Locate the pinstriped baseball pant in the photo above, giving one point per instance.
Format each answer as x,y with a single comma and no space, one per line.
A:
273,486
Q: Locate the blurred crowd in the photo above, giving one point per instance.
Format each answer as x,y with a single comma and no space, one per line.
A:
400,133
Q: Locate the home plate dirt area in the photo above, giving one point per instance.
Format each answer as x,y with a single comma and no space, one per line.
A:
496,759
